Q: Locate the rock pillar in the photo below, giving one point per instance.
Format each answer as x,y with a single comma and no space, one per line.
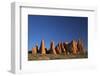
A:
52,48
42,48
80,46
74,47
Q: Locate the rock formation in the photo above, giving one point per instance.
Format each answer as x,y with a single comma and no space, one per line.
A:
42,48
52,48
73,47
37,47
66,44
80,46
62,48
66,48
34,51
58,48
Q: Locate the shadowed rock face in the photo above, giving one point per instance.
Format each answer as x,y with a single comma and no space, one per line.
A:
80,46
65,45
37,48
52,48
63,48
58,48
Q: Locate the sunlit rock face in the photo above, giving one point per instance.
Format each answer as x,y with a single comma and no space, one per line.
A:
42,48
52,48
73,47
34,51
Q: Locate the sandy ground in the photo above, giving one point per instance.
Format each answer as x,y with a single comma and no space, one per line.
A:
53,57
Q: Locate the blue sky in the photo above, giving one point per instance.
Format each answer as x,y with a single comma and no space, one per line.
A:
56,28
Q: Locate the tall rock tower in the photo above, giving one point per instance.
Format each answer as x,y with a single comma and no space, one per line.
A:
52,48
42,48
74,47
